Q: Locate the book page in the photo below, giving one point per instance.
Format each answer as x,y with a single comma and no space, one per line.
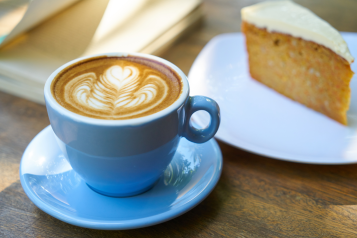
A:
11,13
147,24
117,14
27,61
21,15
62,38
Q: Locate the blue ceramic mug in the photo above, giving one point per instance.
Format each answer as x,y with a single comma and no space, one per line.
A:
126,157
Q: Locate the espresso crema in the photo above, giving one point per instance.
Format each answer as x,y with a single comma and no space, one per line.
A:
116,88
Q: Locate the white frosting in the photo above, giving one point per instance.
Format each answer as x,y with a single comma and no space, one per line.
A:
119,89
290,18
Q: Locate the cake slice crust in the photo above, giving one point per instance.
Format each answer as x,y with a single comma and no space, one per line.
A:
302,70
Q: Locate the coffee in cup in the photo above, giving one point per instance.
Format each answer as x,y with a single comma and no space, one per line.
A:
116,88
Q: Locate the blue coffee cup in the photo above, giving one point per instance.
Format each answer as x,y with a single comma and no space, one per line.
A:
126,157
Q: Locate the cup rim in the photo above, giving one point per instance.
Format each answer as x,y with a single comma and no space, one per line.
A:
49,99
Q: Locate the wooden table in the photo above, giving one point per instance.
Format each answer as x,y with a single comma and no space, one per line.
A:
255,197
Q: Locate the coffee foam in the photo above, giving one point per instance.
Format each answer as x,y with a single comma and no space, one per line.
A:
116,88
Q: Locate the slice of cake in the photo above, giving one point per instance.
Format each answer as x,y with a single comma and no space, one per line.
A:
301,56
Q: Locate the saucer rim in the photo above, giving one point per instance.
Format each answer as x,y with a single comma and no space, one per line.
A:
129,223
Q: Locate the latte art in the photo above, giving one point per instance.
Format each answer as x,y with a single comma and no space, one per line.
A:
121,90
118,91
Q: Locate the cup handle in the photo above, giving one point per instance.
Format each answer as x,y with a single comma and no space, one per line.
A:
197,103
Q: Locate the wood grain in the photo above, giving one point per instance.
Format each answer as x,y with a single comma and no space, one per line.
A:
255,197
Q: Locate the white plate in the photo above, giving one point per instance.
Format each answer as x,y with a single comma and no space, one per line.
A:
257,119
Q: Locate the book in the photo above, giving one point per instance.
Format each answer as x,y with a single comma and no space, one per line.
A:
32,51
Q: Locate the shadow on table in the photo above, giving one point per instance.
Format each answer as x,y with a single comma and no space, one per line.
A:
19,217
273,179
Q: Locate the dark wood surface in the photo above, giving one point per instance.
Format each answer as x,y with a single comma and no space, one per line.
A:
255,197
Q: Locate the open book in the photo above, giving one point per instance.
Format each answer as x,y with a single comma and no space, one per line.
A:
37,37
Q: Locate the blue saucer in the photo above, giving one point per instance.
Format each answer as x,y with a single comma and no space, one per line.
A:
53,186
